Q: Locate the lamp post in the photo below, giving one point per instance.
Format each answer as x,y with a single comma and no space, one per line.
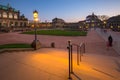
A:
35,15
36,43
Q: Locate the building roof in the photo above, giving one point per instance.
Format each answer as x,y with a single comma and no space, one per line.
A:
114,19
57,20
8,7
92,18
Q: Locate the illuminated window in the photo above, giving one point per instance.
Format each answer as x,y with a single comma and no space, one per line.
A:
15,16
93,25
111,26
10,15
4,15
118,26
92,20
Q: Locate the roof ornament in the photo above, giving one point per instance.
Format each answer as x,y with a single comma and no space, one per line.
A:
8,5
93,13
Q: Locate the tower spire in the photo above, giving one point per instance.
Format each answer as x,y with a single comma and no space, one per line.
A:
8,5
92,13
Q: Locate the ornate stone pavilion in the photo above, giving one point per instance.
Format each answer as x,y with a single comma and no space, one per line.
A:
93,21
11,18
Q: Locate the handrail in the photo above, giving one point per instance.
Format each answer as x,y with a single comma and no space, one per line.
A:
80,50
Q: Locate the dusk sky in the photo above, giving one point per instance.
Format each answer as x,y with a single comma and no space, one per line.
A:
69,10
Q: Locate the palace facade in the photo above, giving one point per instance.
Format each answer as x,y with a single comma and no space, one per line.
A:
10,18
114,23
93,21
58,23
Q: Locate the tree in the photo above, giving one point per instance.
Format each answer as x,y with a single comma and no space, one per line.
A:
103,17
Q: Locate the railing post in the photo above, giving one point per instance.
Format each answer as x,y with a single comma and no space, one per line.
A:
71,48
69,60
80,52
84,47
78,55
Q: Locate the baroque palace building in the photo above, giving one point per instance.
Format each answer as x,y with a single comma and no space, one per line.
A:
114,23
92,21
11,18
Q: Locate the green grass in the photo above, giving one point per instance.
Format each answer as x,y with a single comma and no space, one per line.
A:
58,33
15,46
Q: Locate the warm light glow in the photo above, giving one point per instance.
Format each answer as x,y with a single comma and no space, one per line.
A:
118,26
86,26
15,16
92,25
104,22
35,15
36,19
111,26
4,15
10,15
32,25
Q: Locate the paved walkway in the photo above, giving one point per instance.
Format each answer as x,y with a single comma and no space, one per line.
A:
52,64
115,36
94,42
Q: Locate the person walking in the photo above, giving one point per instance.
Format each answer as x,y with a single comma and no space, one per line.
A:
110,41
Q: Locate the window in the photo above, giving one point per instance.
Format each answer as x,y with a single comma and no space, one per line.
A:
10,15
11,23
0,15
21,23
16,23
15,16
4,15
24,24
0,24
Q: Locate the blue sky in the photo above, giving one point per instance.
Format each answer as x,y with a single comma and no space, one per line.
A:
69,10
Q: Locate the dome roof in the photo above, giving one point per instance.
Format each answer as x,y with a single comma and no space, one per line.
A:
92,18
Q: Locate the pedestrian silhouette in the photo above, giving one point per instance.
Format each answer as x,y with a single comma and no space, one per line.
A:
110,40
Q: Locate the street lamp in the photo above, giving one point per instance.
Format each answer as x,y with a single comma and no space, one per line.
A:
35,15
36,43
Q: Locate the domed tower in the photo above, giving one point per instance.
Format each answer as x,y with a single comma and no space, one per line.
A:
92,21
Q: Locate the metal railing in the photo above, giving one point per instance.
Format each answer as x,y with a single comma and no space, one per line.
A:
80,50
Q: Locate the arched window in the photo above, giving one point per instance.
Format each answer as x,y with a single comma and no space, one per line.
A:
4,15
15,16
0,14
0,24
11,24
25,24
10,15
16,23
21,23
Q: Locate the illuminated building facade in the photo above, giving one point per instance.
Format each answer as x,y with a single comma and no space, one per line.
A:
10,18
114,23
58,23
93,21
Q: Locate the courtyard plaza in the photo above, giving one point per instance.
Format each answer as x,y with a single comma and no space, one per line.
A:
98,63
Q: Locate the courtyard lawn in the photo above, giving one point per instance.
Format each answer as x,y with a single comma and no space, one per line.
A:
15,46
58,33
